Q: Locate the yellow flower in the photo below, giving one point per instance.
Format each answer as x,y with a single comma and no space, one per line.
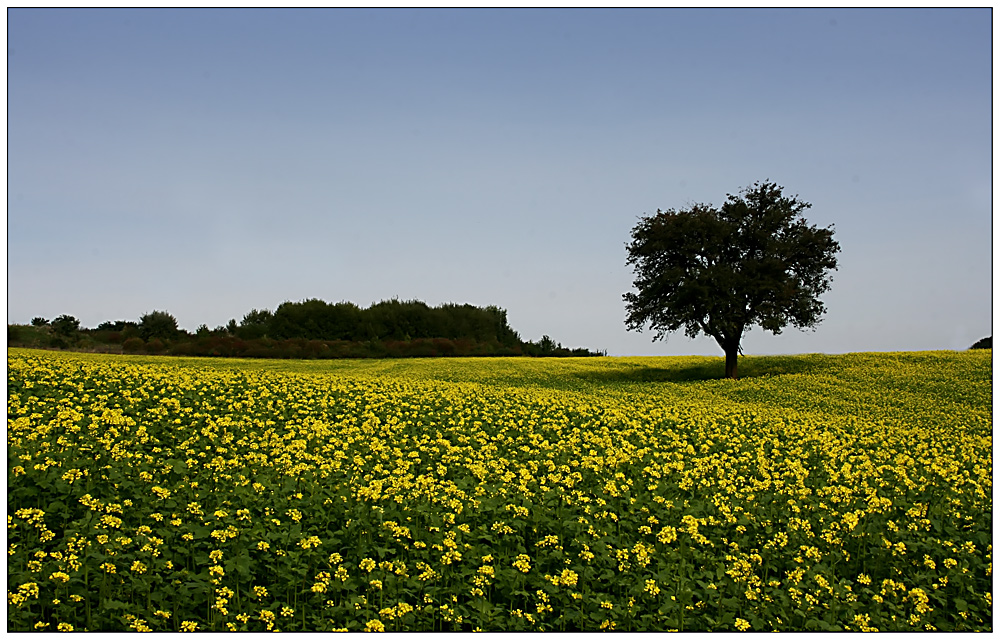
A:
667,535
741,624
188,625
310,542
651,587
64,626
522,563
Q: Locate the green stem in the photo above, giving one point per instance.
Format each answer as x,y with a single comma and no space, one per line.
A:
86,583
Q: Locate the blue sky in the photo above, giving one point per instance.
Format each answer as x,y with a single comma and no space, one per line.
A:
207,162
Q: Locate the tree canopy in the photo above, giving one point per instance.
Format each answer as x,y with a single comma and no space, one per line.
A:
719,271
157,325
65,325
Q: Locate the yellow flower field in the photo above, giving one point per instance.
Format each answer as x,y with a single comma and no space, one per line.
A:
816,493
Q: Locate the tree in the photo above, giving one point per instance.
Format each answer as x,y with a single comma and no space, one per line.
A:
39,321
65,325
157,324
255,324
984,343
719,271
117,325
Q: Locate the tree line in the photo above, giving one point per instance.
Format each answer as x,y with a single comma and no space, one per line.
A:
311,328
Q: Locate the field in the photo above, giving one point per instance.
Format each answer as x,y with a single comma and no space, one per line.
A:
816,493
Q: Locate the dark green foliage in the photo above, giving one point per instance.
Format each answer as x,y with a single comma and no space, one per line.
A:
117,325
390,320
985,343
256,324
39,321
31,336
316,320
719,271
547,347
133,345
65,326
317,329
115,332
157,324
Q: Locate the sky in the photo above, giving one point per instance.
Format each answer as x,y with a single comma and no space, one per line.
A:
207,162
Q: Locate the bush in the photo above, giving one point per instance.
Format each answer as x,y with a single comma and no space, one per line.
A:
39,321
133,345
444,347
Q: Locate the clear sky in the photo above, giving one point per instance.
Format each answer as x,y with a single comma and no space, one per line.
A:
206,162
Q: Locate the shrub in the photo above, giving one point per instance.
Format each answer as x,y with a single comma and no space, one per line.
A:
39,321
132,345
444,347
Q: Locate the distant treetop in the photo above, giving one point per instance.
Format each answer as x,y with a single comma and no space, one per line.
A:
985,343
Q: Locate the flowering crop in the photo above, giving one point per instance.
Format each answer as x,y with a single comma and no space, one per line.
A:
817,493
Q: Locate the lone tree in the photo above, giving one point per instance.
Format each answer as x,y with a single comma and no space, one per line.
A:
754,261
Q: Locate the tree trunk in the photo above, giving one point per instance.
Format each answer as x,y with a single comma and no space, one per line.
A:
731,352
